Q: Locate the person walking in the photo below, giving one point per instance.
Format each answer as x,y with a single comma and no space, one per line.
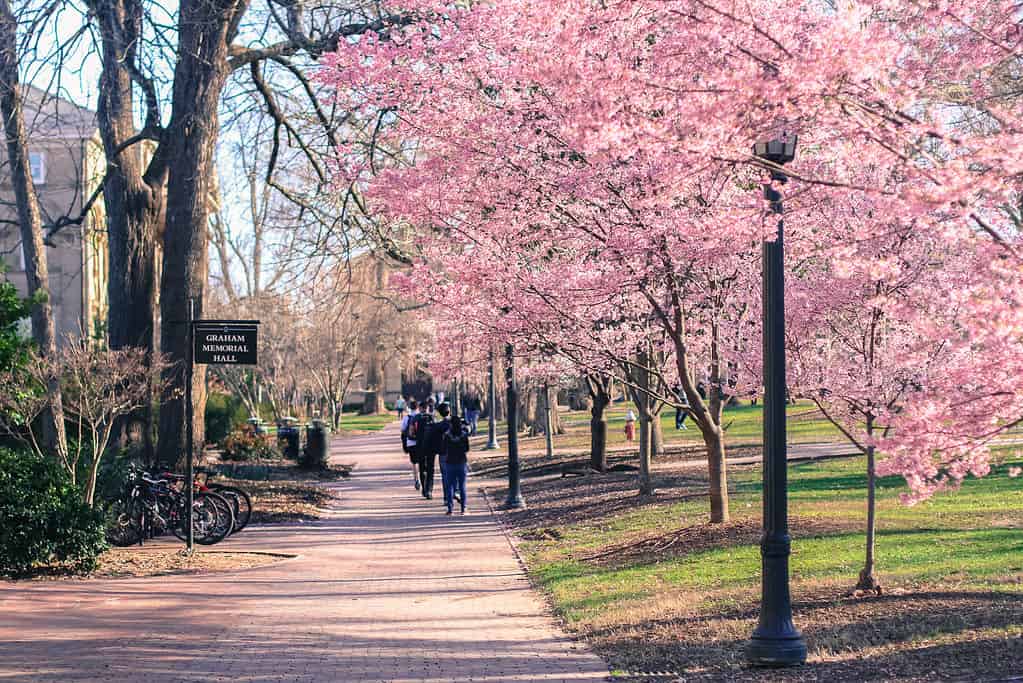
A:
408,441
456,460
437,432
630,426
426,449
399,406
681,409
472,413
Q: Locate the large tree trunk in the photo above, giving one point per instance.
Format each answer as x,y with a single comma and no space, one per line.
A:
36,268
133,200
205,30
599,389
537,412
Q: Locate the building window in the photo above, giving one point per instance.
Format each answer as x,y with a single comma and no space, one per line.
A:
37,162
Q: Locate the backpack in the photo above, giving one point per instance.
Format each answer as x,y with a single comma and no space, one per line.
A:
418,426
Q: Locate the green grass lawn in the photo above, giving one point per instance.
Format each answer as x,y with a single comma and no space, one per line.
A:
743,426
631,605
352,421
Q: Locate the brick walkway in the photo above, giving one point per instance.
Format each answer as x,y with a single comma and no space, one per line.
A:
386,589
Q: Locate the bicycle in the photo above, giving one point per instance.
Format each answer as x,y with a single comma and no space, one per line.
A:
150,506
240,501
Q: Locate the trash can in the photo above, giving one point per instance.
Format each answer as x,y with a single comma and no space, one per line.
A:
257,426
314,456
288,437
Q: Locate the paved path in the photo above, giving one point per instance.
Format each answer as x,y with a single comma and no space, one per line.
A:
386,589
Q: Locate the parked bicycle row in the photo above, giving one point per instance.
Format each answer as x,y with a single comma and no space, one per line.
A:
153,503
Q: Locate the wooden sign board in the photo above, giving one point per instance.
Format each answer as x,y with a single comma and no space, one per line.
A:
225,342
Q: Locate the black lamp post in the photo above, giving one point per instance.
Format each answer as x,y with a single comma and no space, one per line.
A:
491,407
512,410
775,641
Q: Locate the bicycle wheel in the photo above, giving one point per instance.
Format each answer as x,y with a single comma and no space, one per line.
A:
239,500
216,520
212,518
125,522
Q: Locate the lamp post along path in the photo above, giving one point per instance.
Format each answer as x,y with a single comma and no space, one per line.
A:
514,500
491,407
775,641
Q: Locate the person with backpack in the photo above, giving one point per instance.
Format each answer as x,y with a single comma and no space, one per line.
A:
456,463
399,406
408,439
421,427
436,445
430,447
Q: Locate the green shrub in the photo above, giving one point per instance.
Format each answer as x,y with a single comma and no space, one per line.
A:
43,520
224,414
245,444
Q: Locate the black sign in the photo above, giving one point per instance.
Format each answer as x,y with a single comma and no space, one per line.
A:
225,342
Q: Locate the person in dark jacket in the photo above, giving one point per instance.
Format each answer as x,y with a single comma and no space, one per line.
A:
430,448
456,461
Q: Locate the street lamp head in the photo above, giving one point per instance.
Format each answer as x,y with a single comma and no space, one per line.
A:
779,151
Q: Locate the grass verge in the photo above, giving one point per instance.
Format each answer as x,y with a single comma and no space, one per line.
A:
653,588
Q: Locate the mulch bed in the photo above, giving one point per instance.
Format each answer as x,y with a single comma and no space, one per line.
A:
700,537
564,490
290,494
119,563
928,633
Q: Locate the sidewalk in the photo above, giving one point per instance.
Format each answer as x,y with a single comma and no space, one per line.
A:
386,589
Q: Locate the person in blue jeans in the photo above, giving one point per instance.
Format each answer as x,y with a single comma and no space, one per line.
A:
456,463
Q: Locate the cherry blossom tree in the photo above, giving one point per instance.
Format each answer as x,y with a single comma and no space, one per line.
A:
577,163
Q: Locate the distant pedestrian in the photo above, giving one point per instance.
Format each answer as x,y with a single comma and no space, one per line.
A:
630,426
472,413
408,439
399,406
456,460
681,409
430,405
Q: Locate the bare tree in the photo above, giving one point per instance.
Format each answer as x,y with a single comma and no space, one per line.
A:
29,217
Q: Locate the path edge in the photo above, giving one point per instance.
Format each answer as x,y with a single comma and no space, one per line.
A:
545,597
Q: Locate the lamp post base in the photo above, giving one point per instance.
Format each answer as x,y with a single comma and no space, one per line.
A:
491,446
514,503
785,649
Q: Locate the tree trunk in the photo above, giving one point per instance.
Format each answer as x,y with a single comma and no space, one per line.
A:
133,200
657,435
538,414
718,478
867,580
644,381
555,417
36,267
599,389
188,145
645,446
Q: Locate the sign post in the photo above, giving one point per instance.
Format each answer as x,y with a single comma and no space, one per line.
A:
211,342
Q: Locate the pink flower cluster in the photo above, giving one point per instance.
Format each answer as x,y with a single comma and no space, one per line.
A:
578,175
